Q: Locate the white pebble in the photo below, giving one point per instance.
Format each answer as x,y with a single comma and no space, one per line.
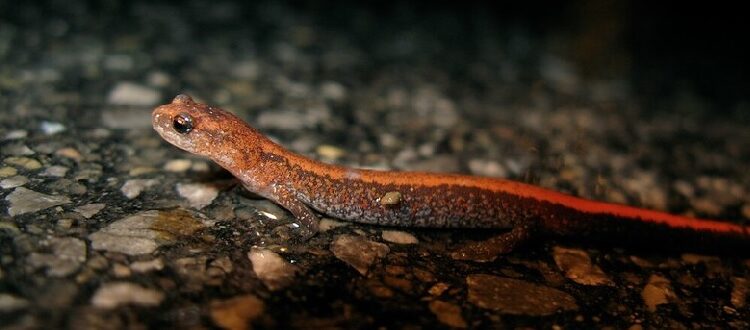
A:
132,188
129,93
178,165
50,128
399,237
271,268
199,195
111,295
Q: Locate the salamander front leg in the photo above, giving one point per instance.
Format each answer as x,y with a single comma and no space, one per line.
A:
489,249
302,212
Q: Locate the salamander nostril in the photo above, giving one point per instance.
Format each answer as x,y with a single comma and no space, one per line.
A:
182,123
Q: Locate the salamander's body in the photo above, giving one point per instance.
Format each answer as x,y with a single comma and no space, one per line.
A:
407,199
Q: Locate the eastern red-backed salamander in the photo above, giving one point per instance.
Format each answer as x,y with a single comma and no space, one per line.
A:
413,199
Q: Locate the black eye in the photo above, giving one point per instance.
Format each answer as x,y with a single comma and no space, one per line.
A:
183,123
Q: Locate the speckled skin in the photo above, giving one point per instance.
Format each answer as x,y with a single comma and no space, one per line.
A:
300,184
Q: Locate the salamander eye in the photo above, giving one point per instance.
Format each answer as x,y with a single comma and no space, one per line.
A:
183,123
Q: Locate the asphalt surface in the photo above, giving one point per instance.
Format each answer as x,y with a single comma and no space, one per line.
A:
104,225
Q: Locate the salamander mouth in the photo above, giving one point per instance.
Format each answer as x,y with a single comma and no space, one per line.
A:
176,139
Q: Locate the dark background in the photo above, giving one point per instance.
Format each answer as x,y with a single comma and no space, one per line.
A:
663,50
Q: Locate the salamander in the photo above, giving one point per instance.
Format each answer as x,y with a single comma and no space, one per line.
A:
415,199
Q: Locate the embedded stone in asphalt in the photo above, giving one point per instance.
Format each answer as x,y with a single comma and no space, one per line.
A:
111,295
132,188
271,268
146,231
89,210
65,257
517,297
24,200
358,252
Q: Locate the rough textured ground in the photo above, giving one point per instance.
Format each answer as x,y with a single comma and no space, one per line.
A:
103,225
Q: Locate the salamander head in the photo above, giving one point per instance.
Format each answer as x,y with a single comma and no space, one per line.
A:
199,128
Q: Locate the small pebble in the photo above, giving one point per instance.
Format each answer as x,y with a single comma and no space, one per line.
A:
740,288
198,195
399,237
23,200
118,62
658,291
426,149
448,313
577,266
89,210
65,257
99,133
488,168
45,148
438,289
55,171
333,91
144,232
10,303
271,268
561,74
141,170
56,295
693,259
200,167
89,172
51,128
7,171
17,150
517,297
113,294
69,153
329,152
97,262
327,224
178,165
746,211
129,93
147,266
424,275
10,227
119,270
128,118
246,70
158,79
13,182
132,188
706,206
16,134
25,162
192,270
358,251
69,186
223,263
439,163
237,312
65,223
281,119
268,215
684,188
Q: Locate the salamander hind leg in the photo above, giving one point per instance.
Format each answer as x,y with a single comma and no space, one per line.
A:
489,249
